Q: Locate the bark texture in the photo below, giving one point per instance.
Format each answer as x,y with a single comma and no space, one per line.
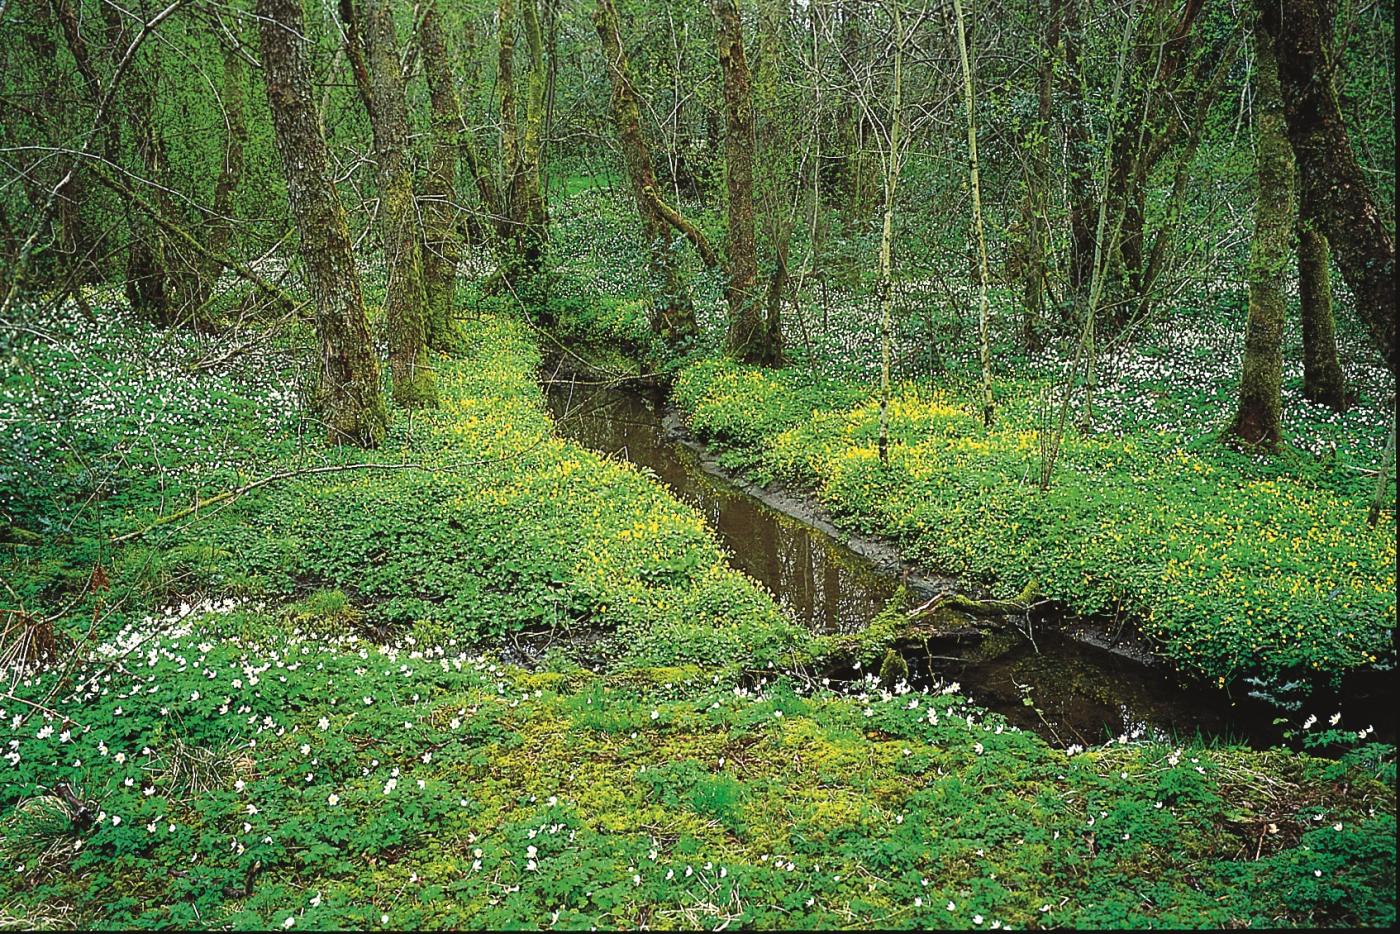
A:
442,248
749,338
1331,178
405,302
1323,380
349,380
524,227
1258,420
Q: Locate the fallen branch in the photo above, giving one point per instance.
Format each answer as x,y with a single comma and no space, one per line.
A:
1023,603
691,232
229,495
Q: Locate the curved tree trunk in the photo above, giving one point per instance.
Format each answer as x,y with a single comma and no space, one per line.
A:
674,317
1346,210
1258,420
349,380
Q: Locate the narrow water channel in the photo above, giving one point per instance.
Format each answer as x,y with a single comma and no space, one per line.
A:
1066,690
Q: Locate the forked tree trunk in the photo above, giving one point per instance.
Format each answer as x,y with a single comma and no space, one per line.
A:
349,399
1258,420
1323,380
674,317
373,49
1346,212
442,248
749,338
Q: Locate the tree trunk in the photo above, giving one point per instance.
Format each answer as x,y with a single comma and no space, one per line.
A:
1078,158
1323,380
1258,421
886,287
1346,210
442,248
349,380
405,302
523,223
674,315
146,279
748,339
1036,207
529,177
202,275
983,313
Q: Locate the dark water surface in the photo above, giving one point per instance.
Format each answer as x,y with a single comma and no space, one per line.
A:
1078,693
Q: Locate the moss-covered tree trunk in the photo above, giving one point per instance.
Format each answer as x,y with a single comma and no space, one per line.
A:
674,316
374,54
350,405
1345,209
749,338
524,222
1258,420
1323,380
442,248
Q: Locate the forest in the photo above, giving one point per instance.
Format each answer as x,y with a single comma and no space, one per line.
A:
697,464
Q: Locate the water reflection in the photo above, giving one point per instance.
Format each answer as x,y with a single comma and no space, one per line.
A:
1067,691
820,583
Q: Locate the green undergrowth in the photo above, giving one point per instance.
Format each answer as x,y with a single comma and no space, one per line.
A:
484,523
243,756
1235,569
240,771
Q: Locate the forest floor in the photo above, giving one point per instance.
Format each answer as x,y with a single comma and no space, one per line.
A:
298,709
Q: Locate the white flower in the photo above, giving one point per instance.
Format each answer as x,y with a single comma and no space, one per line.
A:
291,920
333,800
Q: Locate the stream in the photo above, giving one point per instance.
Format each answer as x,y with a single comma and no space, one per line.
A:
1068,690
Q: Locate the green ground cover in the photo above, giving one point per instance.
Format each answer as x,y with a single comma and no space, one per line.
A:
244,756
1234,565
